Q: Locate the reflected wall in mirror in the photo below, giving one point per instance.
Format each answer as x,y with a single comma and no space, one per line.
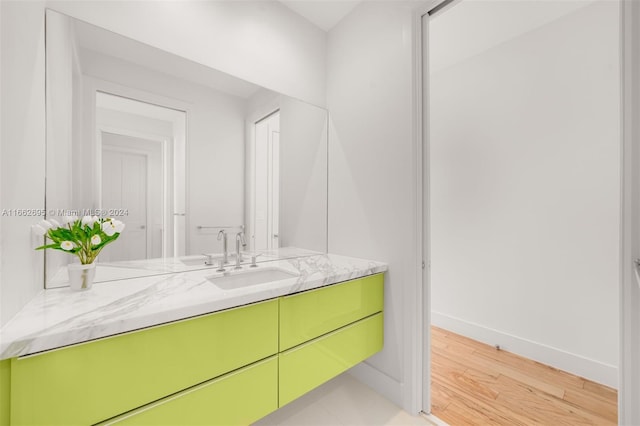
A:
178,151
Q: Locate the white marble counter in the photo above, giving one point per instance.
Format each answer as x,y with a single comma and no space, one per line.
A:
60,317
122,270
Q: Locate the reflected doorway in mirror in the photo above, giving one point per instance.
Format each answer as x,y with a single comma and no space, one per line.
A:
138,144
266,212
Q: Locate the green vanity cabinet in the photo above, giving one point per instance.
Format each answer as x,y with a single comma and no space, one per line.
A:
94,381
230,367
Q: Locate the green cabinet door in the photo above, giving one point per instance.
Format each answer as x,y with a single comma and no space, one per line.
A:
309,365
307,315
238,398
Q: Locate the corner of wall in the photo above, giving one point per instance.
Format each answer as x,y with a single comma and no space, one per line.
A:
22,162
372,178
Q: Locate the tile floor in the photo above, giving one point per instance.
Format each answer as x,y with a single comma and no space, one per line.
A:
342,401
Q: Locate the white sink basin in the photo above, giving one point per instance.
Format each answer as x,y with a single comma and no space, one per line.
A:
249,278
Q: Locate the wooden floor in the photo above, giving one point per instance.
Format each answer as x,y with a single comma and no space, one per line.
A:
476,384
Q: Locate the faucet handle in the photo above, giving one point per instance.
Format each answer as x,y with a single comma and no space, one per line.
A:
222,234
221,265
254,256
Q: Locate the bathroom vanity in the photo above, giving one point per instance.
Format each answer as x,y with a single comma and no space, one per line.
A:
178,349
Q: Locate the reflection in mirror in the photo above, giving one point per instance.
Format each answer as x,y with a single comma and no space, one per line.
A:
179,152
138,143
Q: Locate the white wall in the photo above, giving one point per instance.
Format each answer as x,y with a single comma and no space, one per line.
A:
303,175
2,106
262,42
371,171
303,168
23,141
525,183
60,59
61,90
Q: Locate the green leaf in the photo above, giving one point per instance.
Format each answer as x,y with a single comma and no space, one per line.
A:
61,234
48,246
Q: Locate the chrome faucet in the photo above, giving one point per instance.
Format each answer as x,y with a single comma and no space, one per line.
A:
239,240
223,235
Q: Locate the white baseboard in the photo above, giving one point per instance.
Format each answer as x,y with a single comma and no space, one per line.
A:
572,363
378,381
433,420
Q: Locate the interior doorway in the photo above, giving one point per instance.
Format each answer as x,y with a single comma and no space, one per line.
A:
141,175
266,206
524,178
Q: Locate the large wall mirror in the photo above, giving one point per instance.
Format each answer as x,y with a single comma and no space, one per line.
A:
179,152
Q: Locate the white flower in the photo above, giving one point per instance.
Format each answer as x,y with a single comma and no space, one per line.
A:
111,226
108,227
55,223
95,240
66,245
89,221
69,219
119,226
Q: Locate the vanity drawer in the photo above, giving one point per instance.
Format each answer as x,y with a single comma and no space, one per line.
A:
310,314
90,382
238,398
311,364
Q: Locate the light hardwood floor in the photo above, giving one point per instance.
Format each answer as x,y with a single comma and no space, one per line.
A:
476,384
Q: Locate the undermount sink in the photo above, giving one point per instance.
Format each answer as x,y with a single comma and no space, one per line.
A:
249,278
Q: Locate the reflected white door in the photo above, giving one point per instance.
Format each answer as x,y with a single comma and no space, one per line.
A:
267,183
124,185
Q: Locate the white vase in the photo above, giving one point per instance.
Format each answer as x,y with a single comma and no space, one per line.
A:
81,276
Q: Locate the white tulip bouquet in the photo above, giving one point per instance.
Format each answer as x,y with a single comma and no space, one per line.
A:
84,237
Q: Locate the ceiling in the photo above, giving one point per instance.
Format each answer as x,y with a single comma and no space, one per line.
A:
324,14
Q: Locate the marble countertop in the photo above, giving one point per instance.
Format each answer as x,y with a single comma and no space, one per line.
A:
61,317
121,270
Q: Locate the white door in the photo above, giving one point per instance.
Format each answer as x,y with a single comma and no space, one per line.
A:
267,183
124,186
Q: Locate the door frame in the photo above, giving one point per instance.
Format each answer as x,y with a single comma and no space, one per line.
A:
629,367
177,203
